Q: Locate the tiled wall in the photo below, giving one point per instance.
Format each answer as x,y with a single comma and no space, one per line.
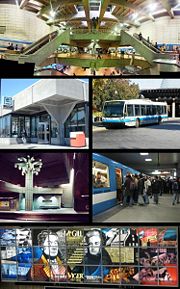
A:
157,30
21,24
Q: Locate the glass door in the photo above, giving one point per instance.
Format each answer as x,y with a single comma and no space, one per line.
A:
43,132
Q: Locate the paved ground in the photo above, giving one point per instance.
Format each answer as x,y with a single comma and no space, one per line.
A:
37,146
163,212
163,136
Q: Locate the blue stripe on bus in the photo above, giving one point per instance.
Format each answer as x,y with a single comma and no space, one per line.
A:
133,119
103,206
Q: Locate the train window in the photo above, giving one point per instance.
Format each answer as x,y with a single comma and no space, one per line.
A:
130,111
137,109
100,175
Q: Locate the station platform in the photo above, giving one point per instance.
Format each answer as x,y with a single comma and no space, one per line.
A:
152,213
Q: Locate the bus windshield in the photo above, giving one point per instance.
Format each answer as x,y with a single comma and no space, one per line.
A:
113,109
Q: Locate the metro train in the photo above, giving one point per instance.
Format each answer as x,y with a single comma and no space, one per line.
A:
108,177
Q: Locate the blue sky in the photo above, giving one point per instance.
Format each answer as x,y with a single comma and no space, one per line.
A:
150,83
10,87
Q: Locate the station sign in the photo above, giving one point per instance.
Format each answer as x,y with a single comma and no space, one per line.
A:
8,102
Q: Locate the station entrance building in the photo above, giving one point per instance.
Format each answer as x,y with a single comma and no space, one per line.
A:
46,112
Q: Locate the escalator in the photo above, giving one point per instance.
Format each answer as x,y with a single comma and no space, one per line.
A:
42,49
143,47
39,43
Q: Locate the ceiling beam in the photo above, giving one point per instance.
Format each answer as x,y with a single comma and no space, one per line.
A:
23,3
57,3
167,6
103,7
130,22
123,3
59,20
86,9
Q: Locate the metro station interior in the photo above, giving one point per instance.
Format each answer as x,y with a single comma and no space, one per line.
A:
44,187
112,201
90,37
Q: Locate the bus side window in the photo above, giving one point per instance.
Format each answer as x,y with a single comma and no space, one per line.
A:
130,111
137,110
148,110
143,110
154,110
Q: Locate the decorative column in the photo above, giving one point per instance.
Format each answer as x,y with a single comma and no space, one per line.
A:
29,166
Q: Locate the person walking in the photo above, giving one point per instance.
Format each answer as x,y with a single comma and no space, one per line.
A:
135,194
175,191
128,190
156,189
147,184
140,189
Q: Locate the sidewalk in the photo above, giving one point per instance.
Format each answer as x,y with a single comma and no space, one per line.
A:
38,146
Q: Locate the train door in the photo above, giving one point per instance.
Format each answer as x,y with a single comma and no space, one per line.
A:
119,195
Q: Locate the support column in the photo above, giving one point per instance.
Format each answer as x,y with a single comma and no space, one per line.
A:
178,170
29,191
173,109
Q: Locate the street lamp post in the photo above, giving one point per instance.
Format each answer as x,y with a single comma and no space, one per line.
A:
29,166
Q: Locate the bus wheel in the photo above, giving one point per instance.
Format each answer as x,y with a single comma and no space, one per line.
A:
108,126
137,123
159,120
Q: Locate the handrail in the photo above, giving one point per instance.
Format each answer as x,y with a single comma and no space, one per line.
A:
85,30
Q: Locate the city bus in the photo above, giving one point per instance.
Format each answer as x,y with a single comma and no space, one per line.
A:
133,112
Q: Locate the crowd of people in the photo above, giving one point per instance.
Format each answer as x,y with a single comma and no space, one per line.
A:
139,189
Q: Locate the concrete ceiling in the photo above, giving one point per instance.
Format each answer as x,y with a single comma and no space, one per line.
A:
55,169
78,13
161,161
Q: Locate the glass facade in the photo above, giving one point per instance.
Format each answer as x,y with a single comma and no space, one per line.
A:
14,126
5,124
77,120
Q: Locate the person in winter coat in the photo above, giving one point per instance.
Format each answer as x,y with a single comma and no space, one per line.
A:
156,189
140,189
175,191
147,184
128,190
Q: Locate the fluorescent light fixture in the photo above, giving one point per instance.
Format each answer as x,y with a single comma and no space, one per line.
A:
52,13
175,174
17,3
134,16
148,160
152,7
177,7
144,154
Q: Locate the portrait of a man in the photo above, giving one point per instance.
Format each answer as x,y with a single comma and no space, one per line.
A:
96,259
50,266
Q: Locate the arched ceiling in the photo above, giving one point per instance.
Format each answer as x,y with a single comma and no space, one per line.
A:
79,13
